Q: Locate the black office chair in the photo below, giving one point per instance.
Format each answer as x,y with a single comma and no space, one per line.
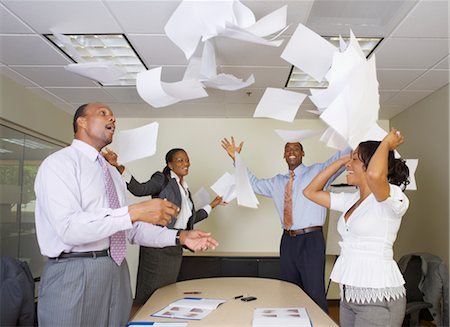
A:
416,307
17,306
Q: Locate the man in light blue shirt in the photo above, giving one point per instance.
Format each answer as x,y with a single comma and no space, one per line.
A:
302,249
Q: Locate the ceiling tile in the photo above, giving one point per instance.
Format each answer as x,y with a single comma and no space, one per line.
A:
9,23
407,98
264,76
82,95
124,94
245,96
427,19
17,77
240,110
365,18
157,50
431,80
444,64
238,53
148,17
29,50
386,95
54,76
43,93
397,79
65,16
411,53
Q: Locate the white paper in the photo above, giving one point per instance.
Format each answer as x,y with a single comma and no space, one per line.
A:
310,52
238,33
189,308
160,94
138,143
201,198
355,110
228,82
225,187
296,136
270,24
333,140
65,40
245,195
279,104
101,72
412,165
281,317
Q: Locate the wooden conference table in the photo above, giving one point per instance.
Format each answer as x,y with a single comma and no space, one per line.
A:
270,293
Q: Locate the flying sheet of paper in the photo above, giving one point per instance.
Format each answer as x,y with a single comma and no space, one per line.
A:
204,70
137,143
333,140
355,110
160,94
341,72
225,187
245,195
65,40
412,165
193,21
310,52
101,72
296,136
279,104
267,25
201,198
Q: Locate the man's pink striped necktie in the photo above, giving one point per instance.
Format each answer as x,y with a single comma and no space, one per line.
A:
117,241
288,202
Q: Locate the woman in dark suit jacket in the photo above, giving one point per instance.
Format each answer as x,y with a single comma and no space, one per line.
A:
159,267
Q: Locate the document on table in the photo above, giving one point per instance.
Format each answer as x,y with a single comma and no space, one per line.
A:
281,317
157,324
191,308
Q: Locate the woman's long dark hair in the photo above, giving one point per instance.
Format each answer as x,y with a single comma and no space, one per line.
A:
398,171
169,158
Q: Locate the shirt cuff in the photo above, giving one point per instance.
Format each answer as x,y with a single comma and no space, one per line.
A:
126,176
207,208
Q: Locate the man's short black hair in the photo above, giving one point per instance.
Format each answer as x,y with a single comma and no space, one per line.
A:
79,113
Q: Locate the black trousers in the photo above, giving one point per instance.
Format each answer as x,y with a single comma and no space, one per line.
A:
158,267
302,262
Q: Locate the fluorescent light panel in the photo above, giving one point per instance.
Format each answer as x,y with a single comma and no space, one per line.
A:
299,79
110,48
27,143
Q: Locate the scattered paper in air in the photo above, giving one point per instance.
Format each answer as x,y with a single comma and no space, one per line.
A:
201,198
137,143
225,187
160,94
245,195
279,104
412,165
296,136
310,52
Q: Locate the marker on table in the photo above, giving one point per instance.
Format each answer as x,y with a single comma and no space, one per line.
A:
192,292
238,297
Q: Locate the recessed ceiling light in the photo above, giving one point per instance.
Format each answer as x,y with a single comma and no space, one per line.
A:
105,48
299,79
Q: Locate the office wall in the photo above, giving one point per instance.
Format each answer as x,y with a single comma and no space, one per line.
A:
425,227
23,108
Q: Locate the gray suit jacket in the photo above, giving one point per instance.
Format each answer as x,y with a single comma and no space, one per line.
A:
160,186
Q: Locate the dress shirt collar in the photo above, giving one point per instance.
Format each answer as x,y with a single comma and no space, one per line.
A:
296,170
86,149
184,185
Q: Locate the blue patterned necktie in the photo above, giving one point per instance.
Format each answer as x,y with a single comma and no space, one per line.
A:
117,241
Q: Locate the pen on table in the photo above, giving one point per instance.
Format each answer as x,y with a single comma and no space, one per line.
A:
238,297
192,292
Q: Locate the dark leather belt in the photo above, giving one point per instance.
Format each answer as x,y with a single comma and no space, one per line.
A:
295,232
90,254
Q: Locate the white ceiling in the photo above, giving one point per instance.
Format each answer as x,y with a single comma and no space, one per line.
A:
412,61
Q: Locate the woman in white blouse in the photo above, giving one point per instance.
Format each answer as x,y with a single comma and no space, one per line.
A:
372,286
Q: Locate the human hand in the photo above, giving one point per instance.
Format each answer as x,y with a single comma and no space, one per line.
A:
197,240
217,200
231,147
154,211
110,156
394,139
344,159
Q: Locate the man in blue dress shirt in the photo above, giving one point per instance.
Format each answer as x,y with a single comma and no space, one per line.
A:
302,249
